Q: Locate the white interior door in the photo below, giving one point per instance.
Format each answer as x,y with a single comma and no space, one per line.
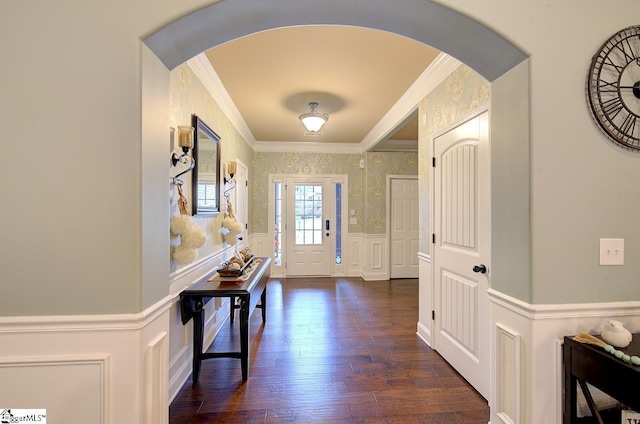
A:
242,201
309,228
403,228
462,230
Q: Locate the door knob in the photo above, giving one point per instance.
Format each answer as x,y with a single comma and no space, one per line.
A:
480,268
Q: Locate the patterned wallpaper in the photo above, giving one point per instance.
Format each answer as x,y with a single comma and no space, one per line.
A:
367,187
378,166
462,92
265,164
188,95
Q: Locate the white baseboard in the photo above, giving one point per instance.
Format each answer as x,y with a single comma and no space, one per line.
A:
424,333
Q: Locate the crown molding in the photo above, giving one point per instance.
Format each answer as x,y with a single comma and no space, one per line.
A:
212,82
307,147
437,71
397,145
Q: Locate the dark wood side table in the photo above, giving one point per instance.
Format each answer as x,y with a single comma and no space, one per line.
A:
585,363
193,299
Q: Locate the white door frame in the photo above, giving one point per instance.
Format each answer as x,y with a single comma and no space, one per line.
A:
388,200
336,269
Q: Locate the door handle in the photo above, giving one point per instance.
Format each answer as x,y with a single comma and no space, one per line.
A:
326,227
480,268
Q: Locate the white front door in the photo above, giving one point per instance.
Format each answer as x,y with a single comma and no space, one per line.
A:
403,228
309,229
462,225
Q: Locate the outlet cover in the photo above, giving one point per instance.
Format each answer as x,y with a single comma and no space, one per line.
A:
611,251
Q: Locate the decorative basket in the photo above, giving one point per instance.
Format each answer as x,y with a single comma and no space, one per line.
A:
228,272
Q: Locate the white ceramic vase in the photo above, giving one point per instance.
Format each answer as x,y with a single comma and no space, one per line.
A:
614,333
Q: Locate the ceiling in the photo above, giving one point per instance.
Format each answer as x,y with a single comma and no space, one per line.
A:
356,75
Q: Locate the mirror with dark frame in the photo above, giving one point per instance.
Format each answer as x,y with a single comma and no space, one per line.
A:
206,175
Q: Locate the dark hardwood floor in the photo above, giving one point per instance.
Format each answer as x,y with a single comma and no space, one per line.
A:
333,350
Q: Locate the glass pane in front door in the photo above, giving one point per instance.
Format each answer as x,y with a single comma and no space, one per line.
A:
308,214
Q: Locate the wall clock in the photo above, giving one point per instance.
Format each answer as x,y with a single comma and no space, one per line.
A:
613,87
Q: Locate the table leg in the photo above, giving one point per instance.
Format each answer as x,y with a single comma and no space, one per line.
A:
198,334
244,336
592,405
232,307
263,304
570,389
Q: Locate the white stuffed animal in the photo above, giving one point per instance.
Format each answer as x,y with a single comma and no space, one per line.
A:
614,333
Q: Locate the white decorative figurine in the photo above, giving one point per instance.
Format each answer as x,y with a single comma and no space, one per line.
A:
614,333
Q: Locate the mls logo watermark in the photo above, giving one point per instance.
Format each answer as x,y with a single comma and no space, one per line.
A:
9,416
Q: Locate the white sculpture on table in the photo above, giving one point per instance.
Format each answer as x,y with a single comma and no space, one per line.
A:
614,333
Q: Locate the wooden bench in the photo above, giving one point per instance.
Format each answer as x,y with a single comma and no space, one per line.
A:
193,299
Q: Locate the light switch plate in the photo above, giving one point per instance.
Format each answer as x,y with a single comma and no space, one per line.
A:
611,251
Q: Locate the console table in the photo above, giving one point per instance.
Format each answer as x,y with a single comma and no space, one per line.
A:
193,299
585,363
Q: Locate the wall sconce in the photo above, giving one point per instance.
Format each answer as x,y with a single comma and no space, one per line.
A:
232,169
185,142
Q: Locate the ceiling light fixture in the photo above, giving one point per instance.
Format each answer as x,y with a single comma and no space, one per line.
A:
314,120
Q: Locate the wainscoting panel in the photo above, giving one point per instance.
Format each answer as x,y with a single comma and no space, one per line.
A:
156,381
376,260
80,383
87,369
179,350
507,374
355,254
541,328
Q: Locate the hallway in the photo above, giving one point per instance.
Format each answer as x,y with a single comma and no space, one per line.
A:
333,350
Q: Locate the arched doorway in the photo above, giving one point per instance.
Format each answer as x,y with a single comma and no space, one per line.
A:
469,41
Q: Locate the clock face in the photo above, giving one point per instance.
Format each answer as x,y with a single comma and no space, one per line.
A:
613,87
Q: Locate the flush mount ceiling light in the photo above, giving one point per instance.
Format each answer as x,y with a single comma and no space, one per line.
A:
314,120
